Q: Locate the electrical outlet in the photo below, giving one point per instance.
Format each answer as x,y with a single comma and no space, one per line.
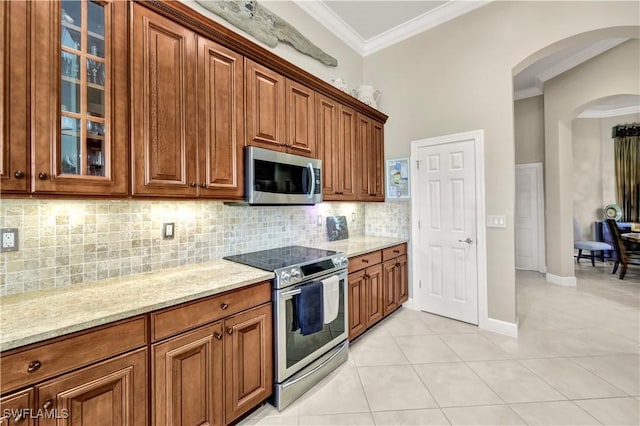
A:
9,239
168,230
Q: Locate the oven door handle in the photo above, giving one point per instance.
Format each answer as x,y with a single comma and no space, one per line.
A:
289,294
309,373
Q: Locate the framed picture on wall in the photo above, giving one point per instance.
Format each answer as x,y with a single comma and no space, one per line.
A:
398,178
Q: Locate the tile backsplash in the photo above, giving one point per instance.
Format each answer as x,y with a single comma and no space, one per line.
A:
67,242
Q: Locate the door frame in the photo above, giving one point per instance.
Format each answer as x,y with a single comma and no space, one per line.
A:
481,240
542,255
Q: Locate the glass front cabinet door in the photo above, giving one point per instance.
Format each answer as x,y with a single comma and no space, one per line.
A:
79,97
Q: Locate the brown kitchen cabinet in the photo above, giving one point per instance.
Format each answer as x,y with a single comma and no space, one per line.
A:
248,360
336,137
365,281
217,372
188,378
14,408
14,95
280,113
109,393
187,103
370,159
78,85
378,285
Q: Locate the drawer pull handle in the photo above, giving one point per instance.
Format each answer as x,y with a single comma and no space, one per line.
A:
365,261
47,404
397,251
34,366
229,331
217,335
224,306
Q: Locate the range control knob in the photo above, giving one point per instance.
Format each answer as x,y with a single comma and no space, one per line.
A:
295,274
285,277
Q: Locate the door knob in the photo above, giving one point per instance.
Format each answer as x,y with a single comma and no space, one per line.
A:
468,241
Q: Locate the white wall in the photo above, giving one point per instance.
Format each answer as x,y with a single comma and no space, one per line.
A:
349,62
528,118
593,168
615,72
458,77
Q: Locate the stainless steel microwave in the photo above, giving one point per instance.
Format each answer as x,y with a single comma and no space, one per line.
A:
273,177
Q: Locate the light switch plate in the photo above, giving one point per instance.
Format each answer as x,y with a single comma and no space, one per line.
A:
168,230
9,239
496,221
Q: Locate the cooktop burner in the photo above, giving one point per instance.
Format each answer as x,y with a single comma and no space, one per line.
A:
281,257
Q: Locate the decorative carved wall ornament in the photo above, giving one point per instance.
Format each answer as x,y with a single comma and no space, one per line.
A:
265,26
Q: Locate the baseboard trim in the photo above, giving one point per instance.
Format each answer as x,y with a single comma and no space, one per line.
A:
563,281
411,304
502,327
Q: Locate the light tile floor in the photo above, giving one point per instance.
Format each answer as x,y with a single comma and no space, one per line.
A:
576,362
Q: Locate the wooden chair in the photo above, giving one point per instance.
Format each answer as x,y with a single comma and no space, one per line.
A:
625,256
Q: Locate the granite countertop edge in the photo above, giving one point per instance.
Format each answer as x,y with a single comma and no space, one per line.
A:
16,310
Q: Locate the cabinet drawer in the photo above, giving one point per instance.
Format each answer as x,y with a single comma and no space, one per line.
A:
175,320
364,261
33,365
395,251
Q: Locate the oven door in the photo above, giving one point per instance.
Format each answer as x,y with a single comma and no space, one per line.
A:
295,351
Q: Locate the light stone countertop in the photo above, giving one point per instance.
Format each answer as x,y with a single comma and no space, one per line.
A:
355,246
37,316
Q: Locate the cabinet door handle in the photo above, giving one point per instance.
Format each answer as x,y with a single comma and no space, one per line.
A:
193,184
19,418
47,404
217,335
398,265
203,185
19,174
224,306
229,331
34,366
366,277
42,176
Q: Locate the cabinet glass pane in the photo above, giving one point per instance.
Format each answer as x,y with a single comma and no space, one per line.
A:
71,37
70,128
95,102
70,66
95,148
95,72
95,19
96,47
70,96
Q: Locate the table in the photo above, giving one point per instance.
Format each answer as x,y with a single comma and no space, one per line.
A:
633,237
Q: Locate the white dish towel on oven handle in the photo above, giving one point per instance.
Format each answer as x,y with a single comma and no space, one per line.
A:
331,294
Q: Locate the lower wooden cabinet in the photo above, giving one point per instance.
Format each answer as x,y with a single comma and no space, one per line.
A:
395,283
113,392
378,285
214,374
187,378
15,408
248,360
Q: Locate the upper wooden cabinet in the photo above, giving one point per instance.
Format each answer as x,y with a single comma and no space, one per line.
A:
187,102
370,159
280,113
336,142
65,97
14,96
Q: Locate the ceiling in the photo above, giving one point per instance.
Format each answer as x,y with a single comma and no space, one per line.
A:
368,26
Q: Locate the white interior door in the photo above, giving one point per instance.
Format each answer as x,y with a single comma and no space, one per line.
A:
529,217
444,195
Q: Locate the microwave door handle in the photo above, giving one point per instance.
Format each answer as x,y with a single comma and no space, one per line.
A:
312,179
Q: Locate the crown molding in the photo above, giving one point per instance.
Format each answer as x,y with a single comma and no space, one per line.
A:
322,13
635,109
334,23
579,57
529,92
430,19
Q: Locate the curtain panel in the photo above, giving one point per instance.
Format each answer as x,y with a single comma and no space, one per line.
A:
627,168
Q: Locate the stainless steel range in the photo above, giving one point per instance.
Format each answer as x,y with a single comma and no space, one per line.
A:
302,360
